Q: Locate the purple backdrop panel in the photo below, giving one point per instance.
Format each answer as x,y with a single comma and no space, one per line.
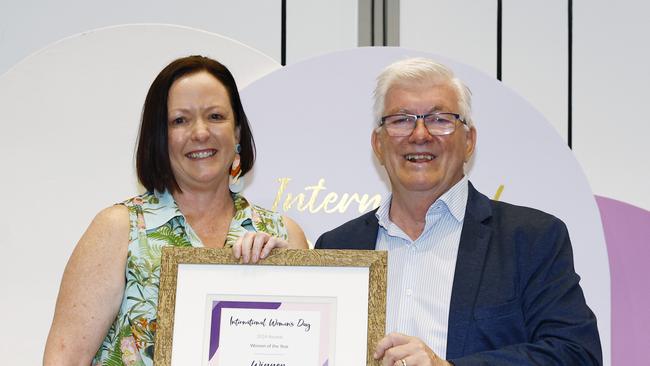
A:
627,233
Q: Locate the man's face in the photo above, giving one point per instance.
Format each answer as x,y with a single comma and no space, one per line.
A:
421,162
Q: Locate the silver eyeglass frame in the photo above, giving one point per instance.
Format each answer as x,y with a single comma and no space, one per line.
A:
457,118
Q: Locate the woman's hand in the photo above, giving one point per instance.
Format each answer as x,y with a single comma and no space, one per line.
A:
253,246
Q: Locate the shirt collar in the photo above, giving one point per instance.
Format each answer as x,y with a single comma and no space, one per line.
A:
455,199
383,212
158,208
161,207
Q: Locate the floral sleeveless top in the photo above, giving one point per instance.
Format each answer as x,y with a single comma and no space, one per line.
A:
156,221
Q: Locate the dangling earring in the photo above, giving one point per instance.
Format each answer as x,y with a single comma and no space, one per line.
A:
235,180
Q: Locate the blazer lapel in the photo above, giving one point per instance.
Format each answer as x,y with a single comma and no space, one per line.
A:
367,236
472,249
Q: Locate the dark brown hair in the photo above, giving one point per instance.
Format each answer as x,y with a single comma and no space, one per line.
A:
152,155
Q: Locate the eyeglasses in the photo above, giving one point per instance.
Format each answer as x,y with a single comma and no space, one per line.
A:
438,123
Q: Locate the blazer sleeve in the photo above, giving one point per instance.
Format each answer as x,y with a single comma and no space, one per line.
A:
319,242
359,233
329,240
559,326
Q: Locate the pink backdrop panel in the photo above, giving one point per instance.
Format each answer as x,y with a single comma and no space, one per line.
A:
627,233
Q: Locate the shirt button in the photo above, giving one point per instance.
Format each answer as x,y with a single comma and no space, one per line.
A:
409,292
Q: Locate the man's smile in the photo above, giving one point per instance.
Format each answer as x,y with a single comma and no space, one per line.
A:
419,157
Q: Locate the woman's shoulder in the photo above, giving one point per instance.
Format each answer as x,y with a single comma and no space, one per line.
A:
112,216
109,229
144,199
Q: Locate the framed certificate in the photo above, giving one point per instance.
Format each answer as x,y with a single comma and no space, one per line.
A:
294,308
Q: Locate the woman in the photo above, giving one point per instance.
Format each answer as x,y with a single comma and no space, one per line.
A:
195,144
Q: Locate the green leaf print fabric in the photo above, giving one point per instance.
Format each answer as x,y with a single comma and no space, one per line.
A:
155,222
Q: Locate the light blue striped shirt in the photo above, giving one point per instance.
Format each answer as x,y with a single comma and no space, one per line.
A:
421,272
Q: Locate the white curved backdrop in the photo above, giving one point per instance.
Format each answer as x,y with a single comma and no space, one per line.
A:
70,119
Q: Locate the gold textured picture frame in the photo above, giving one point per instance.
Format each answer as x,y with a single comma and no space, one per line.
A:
330,261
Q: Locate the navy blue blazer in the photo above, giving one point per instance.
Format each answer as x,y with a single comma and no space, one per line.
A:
516,299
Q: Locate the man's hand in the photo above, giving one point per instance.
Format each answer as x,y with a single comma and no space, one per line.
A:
397,349
253,246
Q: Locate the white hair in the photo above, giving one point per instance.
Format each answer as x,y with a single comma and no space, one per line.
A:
421,70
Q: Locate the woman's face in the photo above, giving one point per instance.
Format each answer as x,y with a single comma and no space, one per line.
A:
201,132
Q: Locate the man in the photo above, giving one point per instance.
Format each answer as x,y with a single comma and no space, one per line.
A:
470,280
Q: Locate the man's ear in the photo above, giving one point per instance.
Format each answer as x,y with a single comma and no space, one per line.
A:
470,143
375,141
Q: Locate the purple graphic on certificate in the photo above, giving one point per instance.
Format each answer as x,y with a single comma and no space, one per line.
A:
270,330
